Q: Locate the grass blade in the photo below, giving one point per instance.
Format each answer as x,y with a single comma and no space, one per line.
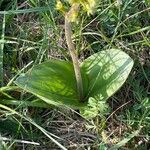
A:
30,10
49,135
1,52
125,140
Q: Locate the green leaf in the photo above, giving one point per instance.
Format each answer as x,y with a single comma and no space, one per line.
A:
106,72
52,81
93,108
102,146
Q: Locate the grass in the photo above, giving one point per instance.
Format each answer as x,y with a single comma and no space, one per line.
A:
31,32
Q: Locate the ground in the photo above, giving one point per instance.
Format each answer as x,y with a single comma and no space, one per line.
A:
32,31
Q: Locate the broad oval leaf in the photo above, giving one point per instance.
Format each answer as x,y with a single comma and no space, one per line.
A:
54,82
106,71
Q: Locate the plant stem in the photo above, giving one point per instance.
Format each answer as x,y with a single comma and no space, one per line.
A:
73,53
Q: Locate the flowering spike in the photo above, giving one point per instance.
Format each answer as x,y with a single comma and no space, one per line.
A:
87,5
60,7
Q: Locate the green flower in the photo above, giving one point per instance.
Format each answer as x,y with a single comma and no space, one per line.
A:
88,5
60,6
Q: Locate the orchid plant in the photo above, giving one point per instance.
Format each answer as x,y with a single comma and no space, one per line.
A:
84,86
